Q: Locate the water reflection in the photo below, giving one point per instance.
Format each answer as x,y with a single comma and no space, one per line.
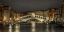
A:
52,29
10,28
33,27
47,28
17,28
33,24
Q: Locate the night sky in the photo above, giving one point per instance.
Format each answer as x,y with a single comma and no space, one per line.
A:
31,5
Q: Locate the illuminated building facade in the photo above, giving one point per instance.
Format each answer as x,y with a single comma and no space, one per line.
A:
51,14
63,10
6,12
1,12
15,15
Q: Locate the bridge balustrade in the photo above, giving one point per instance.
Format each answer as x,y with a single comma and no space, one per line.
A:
36,16
27,17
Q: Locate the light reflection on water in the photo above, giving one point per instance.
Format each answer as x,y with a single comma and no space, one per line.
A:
47,28
32,24
33,27
52,30
10,28
30,28
17,28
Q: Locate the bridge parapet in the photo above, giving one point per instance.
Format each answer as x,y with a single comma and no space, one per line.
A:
28,17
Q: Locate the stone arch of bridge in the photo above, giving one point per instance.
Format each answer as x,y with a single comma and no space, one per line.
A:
36,17
34,20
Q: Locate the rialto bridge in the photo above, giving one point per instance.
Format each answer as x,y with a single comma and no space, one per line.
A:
33,17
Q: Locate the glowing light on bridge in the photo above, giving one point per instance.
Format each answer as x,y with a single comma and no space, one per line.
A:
33,14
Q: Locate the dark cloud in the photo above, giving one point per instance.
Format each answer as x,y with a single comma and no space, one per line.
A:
31,5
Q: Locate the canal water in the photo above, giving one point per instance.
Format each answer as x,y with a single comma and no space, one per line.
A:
23,27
